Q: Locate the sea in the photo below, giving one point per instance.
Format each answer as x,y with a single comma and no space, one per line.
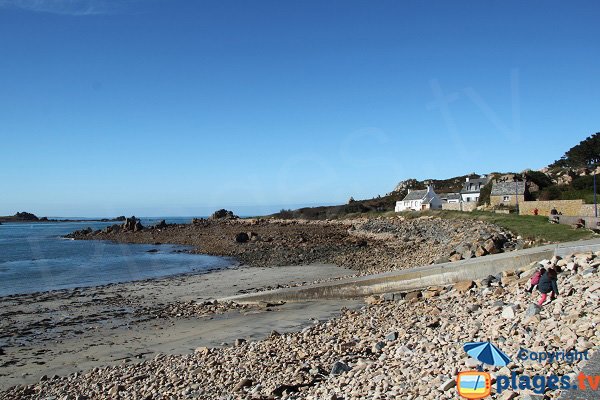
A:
35,257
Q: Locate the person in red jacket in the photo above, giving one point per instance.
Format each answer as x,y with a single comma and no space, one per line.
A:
535,279
548,284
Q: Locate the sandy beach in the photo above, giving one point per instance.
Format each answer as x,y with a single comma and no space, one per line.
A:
62,332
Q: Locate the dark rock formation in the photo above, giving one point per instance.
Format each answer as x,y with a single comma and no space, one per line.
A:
223,214
161,225
132,225
25,216
242,237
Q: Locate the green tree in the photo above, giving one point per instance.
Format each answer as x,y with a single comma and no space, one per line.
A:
539,178
586,153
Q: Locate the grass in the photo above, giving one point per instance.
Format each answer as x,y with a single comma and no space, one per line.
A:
530,227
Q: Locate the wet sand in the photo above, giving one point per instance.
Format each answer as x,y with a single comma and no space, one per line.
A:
61,332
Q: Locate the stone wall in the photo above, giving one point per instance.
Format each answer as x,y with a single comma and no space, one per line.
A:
588,210
466,206
497,200
573,208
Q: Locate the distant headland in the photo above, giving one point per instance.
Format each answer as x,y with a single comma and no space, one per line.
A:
29,217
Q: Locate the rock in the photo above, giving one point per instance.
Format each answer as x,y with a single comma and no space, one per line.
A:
472,363
161,225
243,383
530,396
373,299
203,351
387,297
509,312
377,347
223,214
338,368
441,260
447,385
115,389
239,342
413,295
464,286
132,225
532,309
507,280
508,395
456,257
490,246
242,237
390,337
480,251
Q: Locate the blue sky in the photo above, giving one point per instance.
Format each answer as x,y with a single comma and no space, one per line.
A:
172,107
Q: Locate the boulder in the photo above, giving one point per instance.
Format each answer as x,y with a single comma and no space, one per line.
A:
464,286
203,351
413,295
480,251
339,367
244,382
242,237
373,299
532,310
456,257
161,225
132,225
490,246
509,312
447,385
223,214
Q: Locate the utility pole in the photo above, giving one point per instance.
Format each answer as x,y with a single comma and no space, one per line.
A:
516,192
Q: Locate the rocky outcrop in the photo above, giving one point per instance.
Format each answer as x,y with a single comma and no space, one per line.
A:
366,245
132,225
223,214
161,225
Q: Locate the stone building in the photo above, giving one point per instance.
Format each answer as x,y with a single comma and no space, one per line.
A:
504,193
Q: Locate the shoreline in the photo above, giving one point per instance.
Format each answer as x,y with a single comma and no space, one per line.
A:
69,330
405,347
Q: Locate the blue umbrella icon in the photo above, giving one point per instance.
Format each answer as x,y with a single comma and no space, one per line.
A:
486,353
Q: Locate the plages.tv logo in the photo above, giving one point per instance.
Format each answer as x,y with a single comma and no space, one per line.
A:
478,384
474,384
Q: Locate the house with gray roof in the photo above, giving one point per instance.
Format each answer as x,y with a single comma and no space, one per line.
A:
418,200
450,197
472,188
508,193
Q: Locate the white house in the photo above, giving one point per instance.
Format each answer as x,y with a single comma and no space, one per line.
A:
419,200
472,188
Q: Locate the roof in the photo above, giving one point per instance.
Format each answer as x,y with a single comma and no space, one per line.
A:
507,188
453,196
415,195
481,182
428,200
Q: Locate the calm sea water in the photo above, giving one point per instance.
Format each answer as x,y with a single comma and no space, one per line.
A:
34,257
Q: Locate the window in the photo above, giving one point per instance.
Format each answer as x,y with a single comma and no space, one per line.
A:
506,198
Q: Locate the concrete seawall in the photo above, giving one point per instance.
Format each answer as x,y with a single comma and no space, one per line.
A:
421,277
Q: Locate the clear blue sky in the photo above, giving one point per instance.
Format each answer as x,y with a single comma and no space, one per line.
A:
171,107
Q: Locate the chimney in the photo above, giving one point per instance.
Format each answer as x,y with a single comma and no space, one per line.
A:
467,179
408,191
